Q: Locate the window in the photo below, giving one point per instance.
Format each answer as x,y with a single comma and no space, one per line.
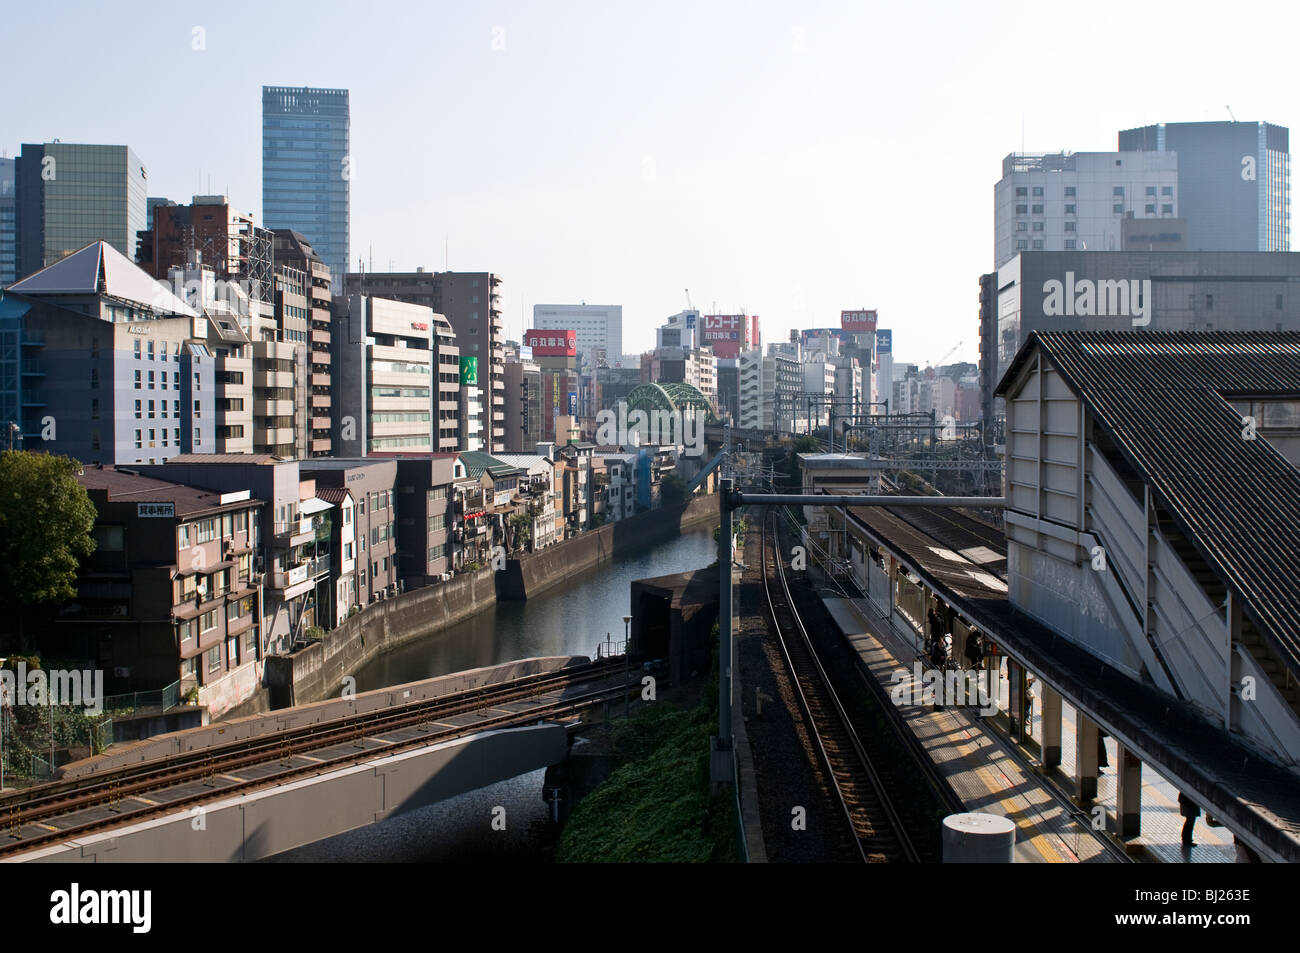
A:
198,409
1021,245
1038,191
1149,209
1038,244
208,621
1118,191
176,379
94,378
176,408
214,658
150,350
187,668
138,442
1038,226
1071,226
1117,209
1151,191
1069,210
241,521
184,536
1070,244
137,409
1021,191
347,551
1038,210
137,380
1167,190
1020,210
151,410
136,349
1069,192
1209,302
1166,210
185,630
150,379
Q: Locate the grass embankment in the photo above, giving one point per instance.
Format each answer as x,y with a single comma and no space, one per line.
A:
656,805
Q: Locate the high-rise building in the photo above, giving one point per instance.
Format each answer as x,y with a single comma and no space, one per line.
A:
598,326
292,250
1131,293
384,378
306,167
212,234
523,405
1083,201
69,195
468,300
1234,181
8,233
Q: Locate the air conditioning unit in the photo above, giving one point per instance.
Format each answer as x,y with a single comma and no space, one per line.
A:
392,590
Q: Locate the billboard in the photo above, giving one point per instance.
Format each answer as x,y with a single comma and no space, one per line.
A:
552,343
858,322
884,341
469,370
727,334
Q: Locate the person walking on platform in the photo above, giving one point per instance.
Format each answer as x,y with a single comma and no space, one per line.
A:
974,649
1190,811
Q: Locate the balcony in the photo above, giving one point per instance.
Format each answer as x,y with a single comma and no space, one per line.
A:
320,401
321,445
33,338
294,532
320,336
274,379
273,408
320,380
320,423
33,369
320,358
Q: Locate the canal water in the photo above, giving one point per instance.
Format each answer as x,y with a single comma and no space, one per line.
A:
567,620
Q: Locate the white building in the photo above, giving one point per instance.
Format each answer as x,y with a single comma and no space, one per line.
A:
1068,201
598,326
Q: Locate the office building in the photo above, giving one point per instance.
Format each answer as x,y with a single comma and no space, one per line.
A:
384,376
599,328
469,301
101,362
8,225
306,167
210,233
729,334
1234,181
69,195
1082,201
523,392
1130,292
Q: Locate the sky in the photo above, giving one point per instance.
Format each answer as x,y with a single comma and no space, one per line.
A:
787,160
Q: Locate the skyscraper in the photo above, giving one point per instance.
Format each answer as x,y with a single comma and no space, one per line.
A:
306,167
1234,181
8,235
69,195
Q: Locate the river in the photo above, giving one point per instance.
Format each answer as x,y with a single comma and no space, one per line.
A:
567,620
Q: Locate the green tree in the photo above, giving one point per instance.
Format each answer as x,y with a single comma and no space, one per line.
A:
46,519
805,444
672,490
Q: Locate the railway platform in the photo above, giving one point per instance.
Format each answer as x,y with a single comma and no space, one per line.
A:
989,775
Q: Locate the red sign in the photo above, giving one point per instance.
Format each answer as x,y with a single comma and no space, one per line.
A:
724,322
858,322
419,326
552,343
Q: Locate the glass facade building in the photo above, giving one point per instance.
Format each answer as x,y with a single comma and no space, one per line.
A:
69,195
1234,181
306,167
8,225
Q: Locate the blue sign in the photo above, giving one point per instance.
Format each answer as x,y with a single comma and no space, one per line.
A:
573,403
884,342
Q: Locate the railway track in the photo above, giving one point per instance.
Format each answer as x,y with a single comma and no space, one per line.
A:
61,811
864,798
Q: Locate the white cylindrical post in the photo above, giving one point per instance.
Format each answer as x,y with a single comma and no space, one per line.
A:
978,839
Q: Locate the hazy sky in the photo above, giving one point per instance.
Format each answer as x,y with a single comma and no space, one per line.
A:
789,159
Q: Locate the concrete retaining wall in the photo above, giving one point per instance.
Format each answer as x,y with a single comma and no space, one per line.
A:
282,817
254,726
534,573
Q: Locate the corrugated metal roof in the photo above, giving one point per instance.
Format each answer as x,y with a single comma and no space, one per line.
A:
1160,396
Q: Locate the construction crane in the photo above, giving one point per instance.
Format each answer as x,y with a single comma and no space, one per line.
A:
689,306
939,363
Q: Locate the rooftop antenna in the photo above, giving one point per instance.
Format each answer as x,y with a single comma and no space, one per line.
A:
1230,115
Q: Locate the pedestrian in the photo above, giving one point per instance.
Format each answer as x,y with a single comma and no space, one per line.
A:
1029,706
1190,811
974,649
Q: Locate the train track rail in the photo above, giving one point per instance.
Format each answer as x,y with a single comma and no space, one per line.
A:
879,833
64,810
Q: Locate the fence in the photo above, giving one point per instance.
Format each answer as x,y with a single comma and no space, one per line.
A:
163,698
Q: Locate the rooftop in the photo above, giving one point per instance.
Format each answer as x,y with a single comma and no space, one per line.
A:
127,486
99,268
1162,398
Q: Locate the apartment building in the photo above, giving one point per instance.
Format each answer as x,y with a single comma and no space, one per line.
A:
373,486
171,593
295,255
